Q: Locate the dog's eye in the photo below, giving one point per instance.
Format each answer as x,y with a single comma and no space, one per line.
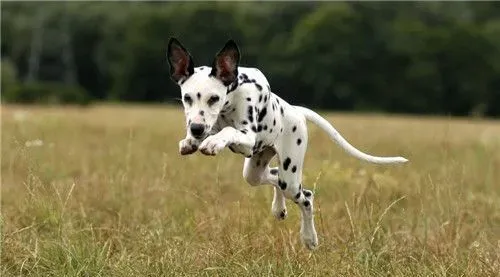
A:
212,100
188,99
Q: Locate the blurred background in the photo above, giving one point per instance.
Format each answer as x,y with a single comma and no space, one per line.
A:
439,58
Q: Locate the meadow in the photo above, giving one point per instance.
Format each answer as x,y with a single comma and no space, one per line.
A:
102,191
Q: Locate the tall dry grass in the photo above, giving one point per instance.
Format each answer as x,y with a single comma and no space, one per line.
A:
102,191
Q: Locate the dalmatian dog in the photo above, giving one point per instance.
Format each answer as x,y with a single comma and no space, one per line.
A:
227,105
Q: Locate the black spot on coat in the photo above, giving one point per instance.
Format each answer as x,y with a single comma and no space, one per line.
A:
250,113
286,163
262,114
282,184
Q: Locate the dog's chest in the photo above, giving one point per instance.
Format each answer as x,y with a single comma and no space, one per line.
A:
258,113
251,107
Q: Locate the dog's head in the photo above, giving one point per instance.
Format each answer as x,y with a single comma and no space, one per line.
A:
204,91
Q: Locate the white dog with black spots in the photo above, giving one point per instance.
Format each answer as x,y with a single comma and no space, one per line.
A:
227,105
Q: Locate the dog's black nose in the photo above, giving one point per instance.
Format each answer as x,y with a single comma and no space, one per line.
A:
197,129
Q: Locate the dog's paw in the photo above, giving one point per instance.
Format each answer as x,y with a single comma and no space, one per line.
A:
187,146
212,145
280,214
278,208
309,238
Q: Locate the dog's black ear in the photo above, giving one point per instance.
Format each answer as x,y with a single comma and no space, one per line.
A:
180,61
225,64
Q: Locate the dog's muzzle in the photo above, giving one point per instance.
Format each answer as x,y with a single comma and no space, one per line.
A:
197,130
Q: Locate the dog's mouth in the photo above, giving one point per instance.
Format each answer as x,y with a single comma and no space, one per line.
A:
199,137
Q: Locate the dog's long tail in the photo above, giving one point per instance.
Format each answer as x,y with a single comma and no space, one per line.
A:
335,135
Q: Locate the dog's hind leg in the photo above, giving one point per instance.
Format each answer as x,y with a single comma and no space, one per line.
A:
291,150
256,171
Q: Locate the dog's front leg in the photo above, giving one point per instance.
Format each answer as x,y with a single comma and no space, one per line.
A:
213,144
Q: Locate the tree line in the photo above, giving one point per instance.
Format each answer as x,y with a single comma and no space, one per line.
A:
402,57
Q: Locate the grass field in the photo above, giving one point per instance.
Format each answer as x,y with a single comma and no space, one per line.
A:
102,191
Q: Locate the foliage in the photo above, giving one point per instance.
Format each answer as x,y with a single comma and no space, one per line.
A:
46,93
9,76
413,57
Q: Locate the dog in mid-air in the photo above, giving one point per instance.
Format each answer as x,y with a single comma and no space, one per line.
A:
227,105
